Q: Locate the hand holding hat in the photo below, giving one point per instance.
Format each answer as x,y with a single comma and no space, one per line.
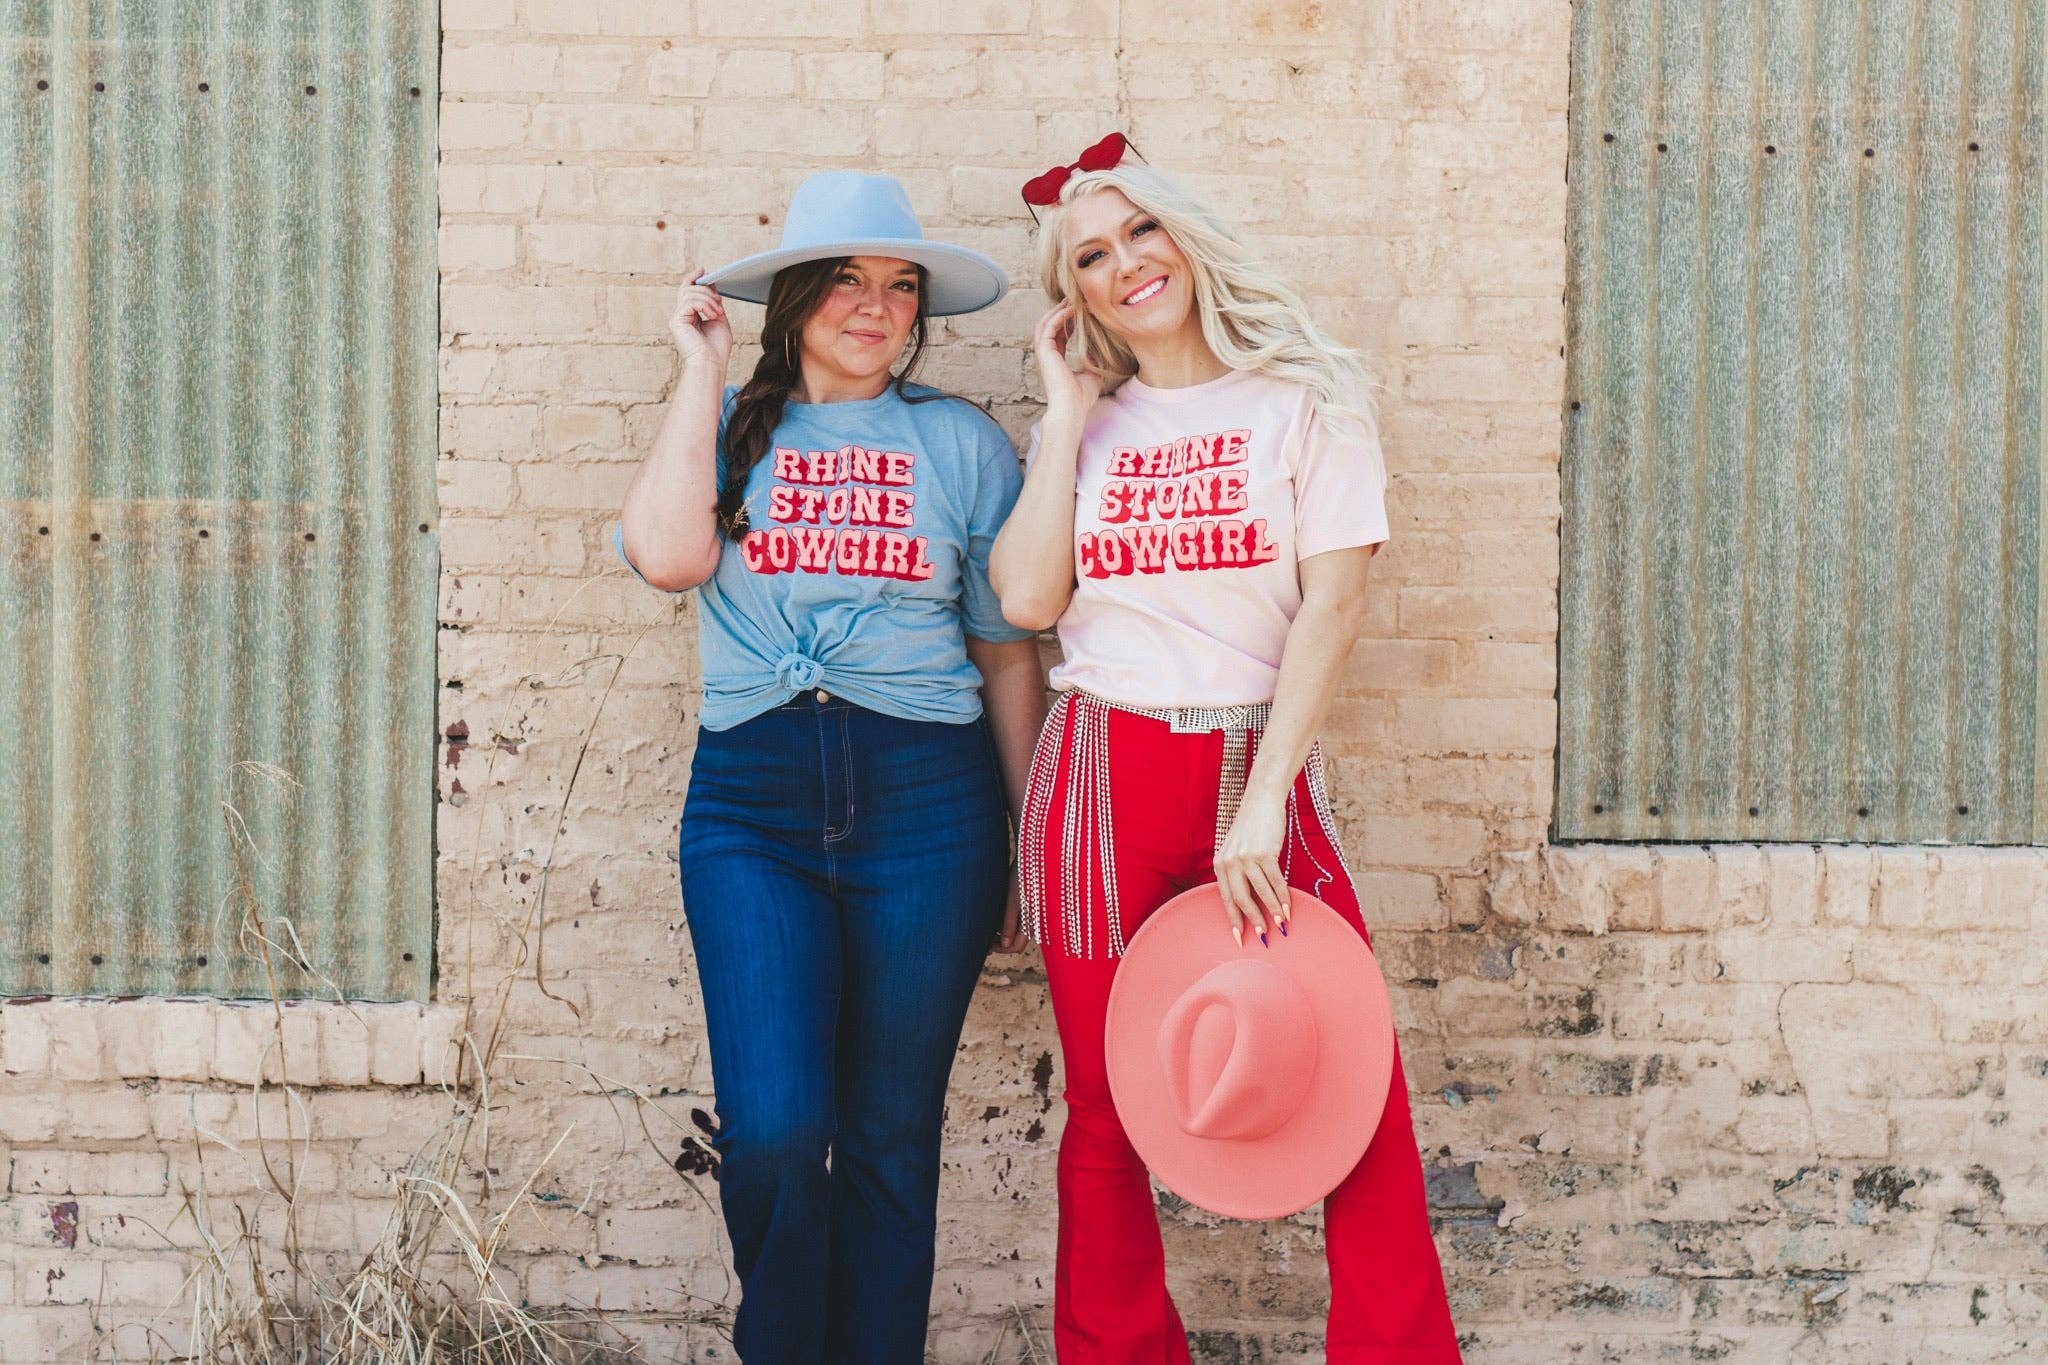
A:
1250,1079
703,333
1249,881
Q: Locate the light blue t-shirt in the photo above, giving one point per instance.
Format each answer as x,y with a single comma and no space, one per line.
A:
864,563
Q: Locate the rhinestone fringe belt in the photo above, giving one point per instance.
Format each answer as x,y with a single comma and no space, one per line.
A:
1076,739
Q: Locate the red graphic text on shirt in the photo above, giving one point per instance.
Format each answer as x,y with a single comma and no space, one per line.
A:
1167,506
844,511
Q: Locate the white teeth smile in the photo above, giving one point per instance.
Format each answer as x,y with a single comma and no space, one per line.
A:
1139,296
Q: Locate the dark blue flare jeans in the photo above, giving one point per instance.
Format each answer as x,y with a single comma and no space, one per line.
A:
843,874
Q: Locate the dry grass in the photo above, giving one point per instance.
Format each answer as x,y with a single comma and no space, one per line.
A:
431,1288
1027,1348
426,1292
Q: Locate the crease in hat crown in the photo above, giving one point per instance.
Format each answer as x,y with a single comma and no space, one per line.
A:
876,204
857,213
1239,1049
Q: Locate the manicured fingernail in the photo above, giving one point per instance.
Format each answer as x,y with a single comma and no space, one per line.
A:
1283,928
1262,939
1237,932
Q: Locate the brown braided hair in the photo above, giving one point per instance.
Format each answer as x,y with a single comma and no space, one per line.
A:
793,296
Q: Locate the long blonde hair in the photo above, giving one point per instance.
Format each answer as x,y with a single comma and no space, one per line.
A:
1251,317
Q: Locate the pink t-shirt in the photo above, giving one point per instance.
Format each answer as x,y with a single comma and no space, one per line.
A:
1192,508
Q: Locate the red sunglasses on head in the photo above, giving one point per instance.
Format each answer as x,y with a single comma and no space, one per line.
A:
1041,190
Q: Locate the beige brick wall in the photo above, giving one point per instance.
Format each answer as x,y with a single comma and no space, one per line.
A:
1739,1105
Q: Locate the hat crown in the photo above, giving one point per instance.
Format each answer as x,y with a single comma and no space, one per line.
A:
1239,1051
848,206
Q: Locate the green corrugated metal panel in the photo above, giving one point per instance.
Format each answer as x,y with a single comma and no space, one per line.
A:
1802,452
217,439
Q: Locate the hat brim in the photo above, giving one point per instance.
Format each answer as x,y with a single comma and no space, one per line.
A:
957,280
1309,1155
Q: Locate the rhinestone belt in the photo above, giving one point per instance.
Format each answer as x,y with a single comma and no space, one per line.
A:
1087,848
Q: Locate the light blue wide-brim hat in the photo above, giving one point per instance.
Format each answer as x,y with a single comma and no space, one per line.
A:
849,213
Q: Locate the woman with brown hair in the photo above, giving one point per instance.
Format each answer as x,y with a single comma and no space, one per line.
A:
866,730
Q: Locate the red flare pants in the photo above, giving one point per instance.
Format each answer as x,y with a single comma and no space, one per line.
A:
1111,1305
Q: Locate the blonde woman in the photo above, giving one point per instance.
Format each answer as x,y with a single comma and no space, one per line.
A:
1201,502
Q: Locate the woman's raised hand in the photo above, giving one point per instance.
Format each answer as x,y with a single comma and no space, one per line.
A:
699,324
1069,393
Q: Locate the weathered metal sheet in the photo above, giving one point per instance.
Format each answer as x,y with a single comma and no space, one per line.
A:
217,508
1802,449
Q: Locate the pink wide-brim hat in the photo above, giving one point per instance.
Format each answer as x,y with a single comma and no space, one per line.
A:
1250,1078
